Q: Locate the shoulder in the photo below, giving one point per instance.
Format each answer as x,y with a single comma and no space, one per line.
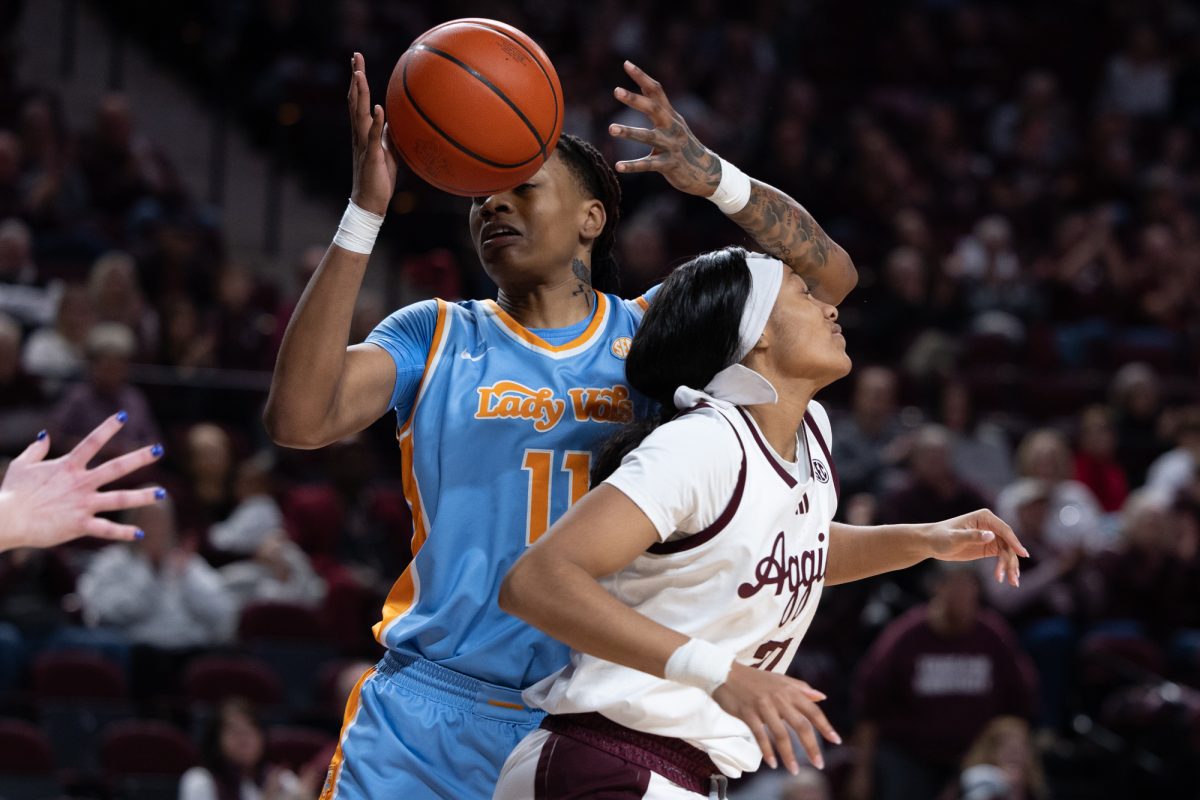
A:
703,432
415,315
821,419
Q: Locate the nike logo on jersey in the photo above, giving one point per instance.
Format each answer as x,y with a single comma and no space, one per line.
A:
469,357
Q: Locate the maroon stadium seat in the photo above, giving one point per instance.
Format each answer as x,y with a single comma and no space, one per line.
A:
78,674
211,679
144,758
280,622
26,762
79,693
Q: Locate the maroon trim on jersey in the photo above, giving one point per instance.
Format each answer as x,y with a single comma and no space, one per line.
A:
617,755
766,451
700,537
812,424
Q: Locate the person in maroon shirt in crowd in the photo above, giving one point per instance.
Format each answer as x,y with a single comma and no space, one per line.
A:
1096,465
109,348
1045,610
931,682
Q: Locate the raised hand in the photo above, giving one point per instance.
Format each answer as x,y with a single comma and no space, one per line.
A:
677,154
979,534
769,704
375,162
45,503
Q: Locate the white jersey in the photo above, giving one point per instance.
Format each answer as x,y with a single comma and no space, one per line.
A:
740,563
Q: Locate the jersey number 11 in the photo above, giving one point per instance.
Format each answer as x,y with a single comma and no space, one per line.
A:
540,466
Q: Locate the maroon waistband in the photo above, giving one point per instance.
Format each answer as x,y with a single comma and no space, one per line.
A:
674,759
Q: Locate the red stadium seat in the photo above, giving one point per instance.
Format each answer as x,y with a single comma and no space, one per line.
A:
280,622
211,679
291,639
78,674
24,749
315,517
79,693
144,758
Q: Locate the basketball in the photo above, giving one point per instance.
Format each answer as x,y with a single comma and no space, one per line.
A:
474,107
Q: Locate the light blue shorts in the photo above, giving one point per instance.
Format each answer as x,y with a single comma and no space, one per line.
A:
416,730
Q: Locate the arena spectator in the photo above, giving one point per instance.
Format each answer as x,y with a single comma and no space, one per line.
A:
1006,745
1096,465
1174,470
208,468
116,296
869,441
55,353
278,571
1073,516
22,293
931,682
979,448
235,765
933,489
257,516
1135,395
109,347
21,398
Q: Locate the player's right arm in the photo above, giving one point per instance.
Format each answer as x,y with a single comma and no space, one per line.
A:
322,390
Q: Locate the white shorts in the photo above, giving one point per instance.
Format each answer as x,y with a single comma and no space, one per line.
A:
550,766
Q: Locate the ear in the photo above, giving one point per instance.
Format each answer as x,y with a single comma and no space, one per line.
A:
593,220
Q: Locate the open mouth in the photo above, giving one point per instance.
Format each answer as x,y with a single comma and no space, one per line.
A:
498,234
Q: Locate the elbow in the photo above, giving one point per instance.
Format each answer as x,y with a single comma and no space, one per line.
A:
516,587
849,276
286,432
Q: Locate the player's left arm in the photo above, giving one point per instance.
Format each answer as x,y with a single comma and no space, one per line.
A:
778,224
857,552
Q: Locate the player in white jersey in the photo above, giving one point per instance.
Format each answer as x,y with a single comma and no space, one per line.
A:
686,581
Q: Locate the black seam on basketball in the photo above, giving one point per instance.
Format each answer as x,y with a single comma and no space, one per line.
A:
497,91
536,60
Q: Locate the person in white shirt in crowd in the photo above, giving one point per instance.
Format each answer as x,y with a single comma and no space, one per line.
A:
1174,470
1073,515
159,592
687,579
57,352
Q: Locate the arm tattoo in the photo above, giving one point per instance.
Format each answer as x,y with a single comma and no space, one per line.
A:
785,230
706,165
585,280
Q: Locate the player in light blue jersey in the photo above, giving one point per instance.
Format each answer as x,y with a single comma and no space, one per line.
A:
498,405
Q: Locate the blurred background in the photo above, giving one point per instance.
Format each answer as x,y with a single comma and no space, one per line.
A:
1017,182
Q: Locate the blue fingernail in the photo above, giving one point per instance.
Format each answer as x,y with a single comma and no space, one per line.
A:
139,534
160,493
41,435
122,416
156,451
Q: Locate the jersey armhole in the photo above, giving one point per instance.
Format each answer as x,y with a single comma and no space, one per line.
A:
435,350
722,521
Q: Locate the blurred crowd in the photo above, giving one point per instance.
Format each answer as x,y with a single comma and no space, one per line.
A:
1019,186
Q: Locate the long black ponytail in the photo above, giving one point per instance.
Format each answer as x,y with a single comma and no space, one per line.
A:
689,334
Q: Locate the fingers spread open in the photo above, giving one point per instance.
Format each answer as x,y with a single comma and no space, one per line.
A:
759,728
35,452
86,450
107,529
130,498
640,103
647,164
644,135
121,466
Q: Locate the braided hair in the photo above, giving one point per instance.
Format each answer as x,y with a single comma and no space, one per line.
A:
597,179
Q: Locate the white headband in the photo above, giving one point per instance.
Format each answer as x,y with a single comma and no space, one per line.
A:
737,384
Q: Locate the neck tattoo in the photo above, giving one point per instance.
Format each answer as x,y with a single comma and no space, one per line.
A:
585,280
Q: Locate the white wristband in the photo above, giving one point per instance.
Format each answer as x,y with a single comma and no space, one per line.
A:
733,192
357,230
699,663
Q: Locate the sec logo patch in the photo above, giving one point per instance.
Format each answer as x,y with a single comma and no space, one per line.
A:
620,346
820,472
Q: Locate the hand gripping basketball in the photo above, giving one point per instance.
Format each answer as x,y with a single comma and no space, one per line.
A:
375,162
687,164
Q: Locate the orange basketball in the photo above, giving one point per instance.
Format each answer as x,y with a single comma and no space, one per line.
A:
474,106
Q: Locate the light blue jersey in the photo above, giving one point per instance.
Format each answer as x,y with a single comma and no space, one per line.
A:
496,434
